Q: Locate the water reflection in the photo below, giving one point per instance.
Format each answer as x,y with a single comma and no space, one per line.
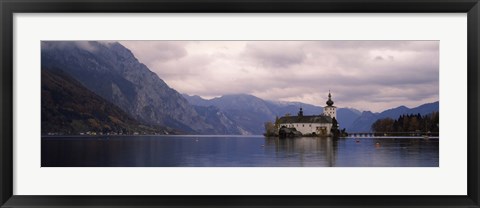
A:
311,151
235,151
356,152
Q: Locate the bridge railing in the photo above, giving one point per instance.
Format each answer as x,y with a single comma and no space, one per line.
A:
379,134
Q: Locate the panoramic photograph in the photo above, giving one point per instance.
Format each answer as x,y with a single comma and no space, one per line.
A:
343,103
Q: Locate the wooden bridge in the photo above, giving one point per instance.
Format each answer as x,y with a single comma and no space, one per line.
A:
392,134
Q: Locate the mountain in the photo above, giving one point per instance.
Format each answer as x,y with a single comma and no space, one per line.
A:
247,111
196,100
70,108
282,108
365,121
250,113
426,108
111,71
394,112
346,116
224,125
354,111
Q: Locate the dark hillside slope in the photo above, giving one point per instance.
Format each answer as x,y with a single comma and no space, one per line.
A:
70,108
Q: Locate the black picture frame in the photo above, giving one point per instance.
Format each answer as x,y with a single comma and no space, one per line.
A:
9,7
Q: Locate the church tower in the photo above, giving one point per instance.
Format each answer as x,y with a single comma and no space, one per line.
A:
330,110
300,113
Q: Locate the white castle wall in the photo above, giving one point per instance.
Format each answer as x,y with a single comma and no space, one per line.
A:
309,128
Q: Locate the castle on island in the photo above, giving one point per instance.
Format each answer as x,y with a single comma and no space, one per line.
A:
324,124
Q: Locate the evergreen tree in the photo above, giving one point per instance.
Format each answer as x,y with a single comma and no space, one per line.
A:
408,123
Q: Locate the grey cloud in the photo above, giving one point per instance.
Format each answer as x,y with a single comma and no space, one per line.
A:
191,65
378,58
274,54
378,45
154,51
85,45
364,74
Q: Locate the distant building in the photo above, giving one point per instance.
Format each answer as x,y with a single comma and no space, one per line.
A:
320,125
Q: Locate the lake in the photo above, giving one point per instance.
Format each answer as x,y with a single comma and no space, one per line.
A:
237,151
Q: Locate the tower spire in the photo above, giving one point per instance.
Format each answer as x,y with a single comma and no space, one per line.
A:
329,101
300,113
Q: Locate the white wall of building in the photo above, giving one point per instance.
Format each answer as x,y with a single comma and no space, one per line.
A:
308,128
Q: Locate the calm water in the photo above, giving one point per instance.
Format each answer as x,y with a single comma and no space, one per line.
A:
237,151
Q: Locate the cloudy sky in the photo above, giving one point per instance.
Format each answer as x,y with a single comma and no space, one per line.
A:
366,75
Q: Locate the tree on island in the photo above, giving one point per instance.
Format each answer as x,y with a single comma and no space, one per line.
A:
270,129
336,132
408,123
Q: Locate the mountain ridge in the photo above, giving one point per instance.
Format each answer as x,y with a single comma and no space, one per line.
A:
349,118
364,122
268,111
111,71
69,108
